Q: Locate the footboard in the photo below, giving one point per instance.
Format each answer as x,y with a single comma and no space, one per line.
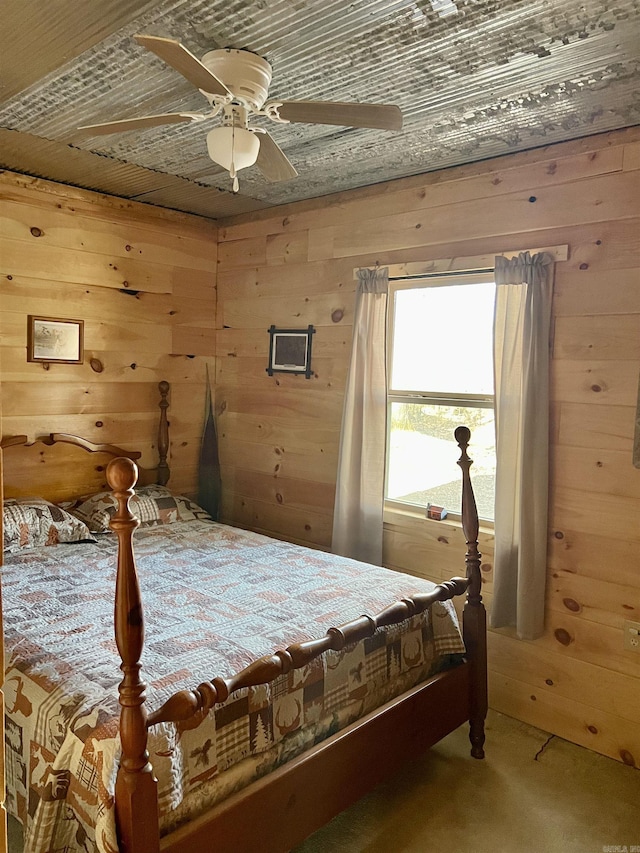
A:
415,720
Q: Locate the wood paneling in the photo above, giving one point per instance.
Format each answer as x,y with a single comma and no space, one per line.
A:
579,202
580,293
595,470
47,195
611,336
301,279
583,194
143,281
319,310
327,373
605,557
125,365
19,221
574,680
583,425
631,158
38,260
599,382
304,527
54,296
286,491
305,406
588,512
570,718
433,190
258,428
597,600
317,466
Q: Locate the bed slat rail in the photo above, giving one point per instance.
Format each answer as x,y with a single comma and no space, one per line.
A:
199,701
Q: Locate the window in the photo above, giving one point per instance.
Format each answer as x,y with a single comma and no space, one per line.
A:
440,376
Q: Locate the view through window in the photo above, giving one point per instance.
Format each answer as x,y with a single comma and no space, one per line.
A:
441,376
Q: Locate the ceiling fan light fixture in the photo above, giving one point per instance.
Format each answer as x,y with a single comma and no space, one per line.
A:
233,148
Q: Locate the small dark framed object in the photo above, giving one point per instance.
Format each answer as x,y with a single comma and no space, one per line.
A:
54,340
290,350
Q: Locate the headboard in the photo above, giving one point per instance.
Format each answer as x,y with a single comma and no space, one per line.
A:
52,467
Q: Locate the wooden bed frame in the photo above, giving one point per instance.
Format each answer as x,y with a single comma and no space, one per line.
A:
280,810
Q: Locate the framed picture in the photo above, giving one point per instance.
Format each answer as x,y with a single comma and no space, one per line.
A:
51,339
290,350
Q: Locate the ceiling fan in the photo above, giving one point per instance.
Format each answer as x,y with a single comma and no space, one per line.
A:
236,84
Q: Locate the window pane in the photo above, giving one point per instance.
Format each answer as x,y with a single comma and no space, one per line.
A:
423,456
443,339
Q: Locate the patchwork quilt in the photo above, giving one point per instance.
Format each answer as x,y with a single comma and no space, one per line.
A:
215,599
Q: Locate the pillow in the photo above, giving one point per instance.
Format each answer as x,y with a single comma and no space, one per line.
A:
31,522
151,505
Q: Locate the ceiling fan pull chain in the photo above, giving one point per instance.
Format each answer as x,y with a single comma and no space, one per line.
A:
234,175
232,171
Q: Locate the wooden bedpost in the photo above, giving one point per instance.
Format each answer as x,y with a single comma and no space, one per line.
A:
136,799
474,617
163,434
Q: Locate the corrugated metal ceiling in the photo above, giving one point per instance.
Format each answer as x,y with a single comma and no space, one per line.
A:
486,78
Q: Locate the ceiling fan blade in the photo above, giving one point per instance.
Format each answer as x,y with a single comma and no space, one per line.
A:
384,116
272,161
138,123
178,57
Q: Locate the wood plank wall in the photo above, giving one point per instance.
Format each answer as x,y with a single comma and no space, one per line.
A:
143,281
279,436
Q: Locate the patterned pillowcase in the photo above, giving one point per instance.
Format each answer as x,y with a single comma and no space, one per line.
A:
151,505
32,522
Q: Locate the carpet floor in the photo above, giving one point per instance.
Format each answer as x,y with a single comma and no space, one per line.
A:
534,793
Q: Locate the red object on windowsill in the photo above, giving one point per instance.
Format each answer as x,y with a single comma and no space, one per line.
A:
437,513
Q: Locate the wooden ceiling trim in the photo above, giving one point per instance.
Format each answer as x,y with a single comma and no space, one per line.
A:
56,161
205,201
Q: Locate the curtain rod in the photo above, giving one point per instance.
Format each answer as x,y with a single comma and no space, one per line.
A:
452,274
473,264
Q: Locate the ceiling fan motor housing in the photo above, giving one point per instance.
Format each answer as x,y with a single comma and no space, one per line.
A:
244,73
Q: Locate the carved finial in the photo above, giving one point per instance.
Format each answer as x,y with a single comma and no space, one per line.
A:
163,388
463,436
122,474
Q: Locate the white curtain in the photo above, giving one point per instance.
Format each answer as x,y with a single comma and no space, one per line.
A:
521,359
357,521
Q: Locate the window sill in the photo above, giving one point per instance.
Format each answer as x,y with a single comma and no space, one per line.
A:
396,518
